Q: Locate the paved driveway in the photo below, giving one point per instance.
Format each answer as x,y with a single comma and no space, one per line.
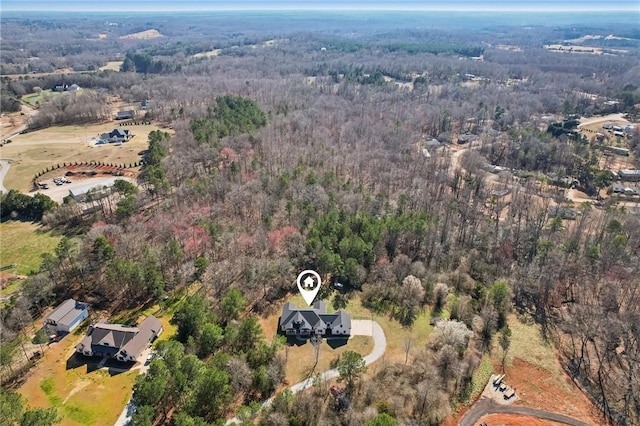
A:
486,406
4,168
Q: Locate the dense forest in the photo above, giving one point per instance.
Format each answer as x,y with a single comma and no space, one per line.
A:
302,153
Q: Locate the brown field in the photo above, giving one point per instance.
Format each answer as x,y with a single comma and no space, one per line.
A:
301,359
142,35
209,54
34,151
112,65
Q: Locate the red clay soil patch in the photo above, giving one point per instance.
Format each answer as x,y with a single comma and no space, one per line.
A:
539,388
514,420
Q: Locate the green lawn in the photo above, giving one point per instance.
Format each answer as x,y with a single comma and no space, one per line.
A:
37,99
22,243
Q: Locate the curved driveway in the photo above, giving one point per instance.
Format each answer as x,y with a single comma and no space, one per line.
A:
486,406
4,168
358,328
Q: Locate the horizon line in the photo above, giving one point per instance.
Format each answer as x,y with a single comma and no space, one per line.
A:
570,10
572,6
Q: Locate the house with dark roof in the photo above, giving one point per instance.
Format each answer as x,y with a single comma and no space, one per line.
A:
116,135
316,321
60,88
118,341
66,316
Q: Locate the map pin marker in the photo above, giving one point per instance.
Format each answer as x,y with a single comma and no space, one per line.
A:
309,285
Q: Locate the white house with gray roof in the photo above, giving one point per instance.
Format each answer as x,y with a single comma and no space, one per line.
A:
314,321
66,316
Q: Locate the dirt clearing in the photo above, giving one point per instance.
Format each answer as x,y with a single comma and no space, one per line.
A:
534,372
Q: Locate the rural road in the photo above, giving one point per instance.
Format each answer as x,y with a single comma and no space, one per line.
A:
486,406
358,328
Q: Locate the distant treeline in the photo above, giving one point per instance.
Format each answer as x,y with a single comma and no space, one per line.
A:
436,49
351,46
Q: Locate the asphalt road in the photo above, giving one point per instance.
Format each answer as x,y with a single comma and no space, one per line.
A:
358,328
486,406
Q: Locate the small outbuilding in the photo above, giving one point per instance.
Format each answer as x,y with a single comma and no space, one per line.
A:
67,316
629,175
125,115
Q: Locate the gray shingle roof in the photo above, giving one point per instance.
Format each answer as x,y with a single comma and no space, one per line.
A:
115,338
66,312
315,319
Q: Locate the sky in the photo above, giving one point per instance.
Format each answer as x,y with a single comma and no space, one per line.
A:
200,5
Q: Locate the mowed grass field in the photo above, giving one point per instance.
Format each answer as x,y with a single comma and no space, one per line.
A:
35,151
22,243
